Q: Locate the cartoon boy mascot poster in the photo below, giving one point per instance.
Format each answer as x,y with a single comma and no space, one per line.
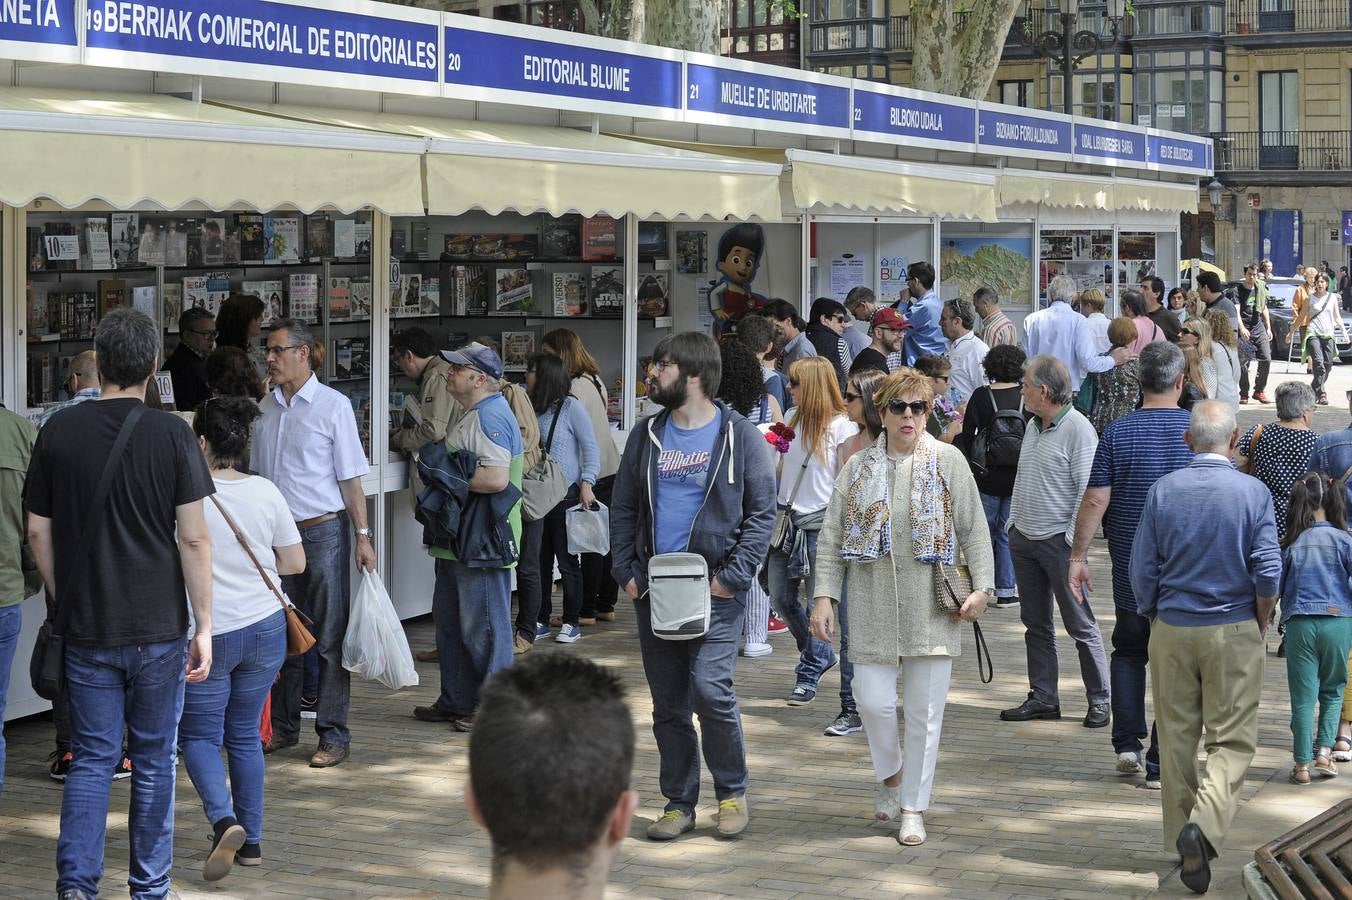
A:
740,251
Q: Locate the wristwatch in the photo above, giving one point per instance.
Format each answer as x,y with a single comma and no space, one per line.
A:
362,532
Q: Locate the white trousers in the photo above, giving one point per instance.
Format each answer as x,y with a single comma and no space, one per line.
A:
924,681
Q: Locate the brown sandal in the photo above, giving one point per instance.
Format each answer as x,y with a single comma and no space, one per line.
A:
1300,774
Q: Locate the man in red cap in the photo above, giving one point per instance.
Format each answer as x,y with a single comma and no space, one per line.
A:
886,326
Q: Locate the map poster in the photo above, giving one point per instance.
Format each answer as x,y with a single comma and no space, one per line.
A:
1004,263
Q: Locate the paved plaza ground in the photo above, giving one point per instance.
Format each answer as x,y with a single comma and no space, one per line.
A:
1032,810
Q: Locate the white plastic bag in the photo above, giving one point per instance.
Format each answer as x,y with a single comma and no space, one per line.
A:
589,529
374,647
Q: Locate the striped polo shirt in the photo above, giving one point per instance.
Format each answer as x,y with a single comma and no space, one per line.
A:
1053,472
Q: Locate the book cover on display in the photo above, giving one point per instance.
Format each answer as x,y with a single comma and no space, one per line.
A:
351,357
653,291
570,293
598,238
250,238
691,253
112,294
195,292
192,228
176,244
99,243
143,299
361,233
37,312
37,254
559,238
512,296
304,296
80,313
55,310
398,242
429,297
172,303
281,236
517,347
607,291
213,242
409,301
468,290
318,236
653,240
125,239
150,243
360,287
340,299
418,242
270,292
344,238
491,246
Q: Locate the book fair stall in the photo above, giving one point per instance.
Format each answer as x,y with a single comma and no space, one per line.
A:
371,167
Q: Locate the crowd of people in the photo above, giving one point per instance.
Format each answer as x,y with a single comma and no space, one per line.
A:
869,480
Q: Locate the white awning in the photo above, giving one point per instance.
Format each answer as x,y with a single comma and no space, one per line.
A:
888,185
1091,192
131,150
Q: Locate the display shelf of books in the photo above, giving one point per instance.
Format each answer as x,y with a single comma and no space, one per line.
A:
81,265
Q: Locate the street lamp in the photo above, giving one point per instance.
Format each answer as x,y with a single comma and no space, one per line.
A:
1067,47
1216,193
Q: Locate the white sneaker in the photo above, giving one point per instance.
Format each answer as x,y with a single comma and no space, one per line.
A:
887,806
568,634
1129,763
757,649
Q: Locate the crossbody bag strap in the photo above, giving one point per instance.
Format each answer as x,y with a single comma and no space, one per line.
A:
802,470
96,510
1346,475
239,536
558,414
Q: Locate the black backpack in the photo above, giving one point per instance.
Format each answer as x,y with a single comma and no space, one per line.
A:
998,444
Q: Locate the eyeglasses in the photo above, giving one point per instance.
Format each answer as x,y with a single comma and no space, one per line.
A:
1190,331
210,334
661,365
916,407
272,350
841,319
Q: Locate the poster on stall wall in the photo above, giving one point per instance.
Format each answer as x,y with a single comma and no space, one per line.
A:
176,244
270,292
692,254
517,347
344,238
100,249
213,242
891,278
848,271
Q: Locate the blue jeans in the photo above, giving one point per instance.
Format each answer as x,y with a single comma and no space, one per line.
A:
139,687
11,621
324,593
847,703
1126,672
815,656
997,516
472,610
224,711
694,678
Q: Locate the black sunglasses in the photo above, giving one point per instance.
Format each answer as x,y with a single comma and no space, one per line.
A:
917,407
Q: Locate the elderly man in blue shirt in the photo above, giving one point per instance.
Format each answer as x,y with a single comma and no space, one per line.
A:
1209,613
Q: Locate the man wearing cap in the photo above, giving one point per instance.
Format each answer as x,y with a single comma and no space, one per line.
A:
887,326
472,607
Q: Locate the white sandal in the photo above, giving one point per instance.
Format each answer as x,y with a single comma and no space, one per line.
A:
912,833
887,805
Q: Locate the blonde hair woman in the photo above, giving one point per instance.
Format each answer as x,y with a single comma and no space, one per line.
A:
1092,303
1225,356
1194,384
806,474
898,509
1196,333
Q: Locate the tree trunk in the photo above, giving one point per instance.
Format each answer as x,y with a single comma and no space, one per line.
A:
961,63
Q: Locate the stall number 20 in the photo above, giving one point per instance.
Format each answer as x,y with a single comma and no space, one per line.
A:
452,62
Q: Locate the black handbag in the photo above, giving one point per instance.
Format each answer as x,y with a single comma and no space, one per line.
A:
47,666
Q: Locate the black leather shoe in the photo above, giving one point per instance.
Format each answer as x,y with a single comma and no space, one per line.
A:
1098,716
432,713
1197,853
1031,709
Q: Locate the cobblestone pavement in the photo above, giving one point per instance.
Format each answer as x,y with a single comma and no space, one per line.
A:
1031,810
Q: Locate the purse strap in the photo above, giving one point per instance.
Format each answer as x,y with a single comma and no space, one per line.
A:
558,414
96,510
987,669
239,536
797,482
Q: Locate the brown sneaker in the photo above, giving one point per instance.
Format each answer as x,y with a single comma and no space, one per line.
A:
328,755
520,645
733,816
670,825
608,616
587,620
426,655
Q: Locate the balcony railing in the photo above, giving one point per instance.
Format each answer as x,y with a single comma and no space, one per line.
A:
1278,151
1285,16
1032,23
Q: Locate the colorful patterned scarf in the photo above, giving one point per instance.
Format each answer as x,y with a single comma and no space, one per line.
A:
868,525
931,506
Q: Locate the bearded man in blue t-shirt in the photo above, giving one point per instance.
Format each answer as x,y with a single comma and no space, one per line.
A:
695,478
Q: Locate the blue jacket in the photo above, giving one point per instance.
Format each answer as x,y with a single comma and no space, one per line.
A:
471,525
732,528
1333,456
1317,573
1206,546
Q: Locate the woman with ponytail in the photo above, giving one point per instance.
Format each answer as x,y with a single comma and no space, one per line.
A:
1317,613
248,641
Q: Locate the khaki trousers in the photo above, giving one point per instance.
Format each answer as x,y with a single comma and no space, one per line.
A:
1205,677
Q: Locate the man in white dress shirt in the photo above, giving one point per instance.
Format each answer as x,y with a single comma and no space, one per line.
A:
307,444
1061,332
966,351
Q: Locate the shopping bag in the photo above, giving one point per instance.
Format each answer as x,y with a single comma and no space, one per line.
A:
589,529
374,647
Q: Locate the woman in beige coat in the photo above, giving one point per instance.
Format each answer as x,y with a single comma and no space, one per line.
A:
898,508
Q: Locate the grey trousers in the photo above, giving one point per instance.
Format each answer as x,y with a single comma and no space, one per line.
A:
1040,569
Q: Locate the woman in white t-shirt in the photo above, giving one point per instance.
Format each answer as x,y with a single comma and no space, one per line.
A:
807,475
248,643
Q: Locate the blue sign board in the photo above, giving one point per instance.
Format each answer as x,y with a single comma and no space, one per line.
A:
331,40
1021,134
1347,226
1110,144
1176,151
478,60
885,115
48,24
715,93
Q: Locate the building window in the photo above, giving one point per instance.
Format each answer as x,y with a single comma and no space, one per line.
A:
1018,93
1278,120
